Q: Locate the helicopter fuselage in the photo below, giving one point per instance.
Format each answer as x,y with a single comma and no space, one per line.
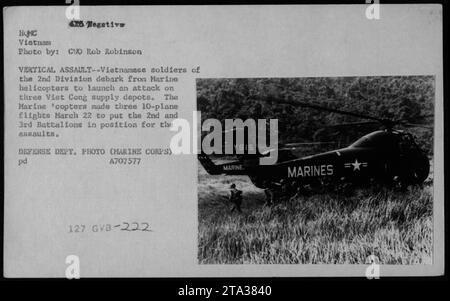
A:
384,156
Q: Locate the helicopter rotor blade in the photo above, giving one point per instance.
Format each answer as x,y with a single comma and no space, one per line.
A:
307,143
389,123
415,118
300,145
322,108
353,124
413,125
425,116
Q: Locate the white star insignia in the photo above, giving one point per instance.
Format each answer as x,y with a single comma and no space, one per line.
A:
356,165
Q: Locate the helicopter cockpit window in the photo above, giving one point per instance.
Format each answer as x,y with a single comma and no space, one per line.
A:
362,142
376,140
407,143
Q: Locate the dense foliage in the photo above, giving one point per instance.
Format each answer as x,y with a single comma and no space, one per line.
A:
394,97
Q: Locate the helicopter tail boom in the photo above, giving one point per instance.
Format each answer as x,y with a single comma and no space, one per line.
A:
232,168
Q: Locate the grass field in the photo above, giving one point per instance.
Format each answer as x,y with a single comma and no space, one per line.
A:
323,228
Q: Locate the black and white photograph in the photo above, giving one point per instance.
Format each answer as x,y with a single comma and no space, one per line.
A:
234,148
353,176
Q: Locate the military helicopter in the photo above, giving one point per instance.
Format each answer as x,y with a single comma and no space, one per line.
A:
388,155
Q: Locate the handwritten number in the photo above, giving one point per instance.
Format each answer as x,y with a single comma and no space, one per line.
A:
126,228
146,228
137,227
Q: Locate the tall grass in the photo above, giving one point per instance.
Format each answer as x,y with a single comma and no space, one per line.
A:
323,228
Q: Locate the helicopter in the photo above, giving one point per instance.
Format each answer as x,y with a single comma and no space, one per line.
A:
387,155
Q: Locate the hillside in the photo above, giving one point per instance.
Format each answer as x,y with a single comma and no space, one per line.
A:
394,97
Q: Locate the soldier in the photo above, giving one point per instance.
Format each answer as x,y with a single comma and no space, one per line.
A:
235,198
284,190
296,190
269,194
276,192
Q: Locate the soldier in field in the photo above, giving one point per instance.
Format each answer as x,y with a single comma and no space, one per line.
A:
235,198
